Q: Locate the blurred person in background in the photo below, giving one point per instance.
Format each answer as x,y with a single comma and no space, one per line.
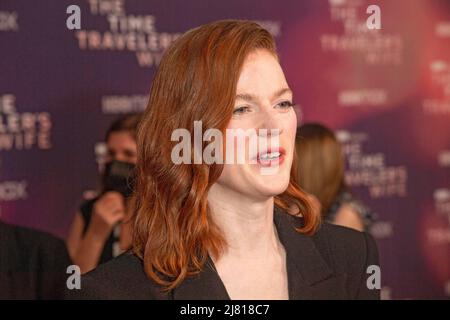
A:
100,231
321,173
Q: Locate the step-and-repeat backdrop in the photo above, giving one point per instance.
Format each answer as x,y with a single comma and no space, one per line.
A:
386,92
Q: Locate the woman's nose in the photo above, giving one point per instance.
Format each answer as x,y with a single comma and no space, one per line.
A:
269,124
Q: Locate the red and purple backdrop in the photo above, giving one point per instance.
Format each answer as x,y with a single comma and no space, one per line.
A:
386,92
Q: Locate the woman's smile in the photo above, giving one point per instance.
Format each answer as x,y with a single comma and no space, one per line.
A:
271,157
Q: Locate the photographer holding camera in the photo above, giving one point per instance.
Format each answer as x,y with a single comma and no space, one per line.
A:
101,230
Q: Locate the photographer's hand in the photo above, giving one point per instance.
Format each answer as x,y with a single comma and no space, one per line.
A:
86,248
108,210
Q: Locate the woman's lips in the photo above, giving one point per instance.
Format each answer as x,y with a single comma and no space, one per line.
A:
271,157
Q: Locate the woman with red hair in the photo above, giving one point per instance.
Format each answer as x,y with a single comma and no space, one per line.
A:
222,230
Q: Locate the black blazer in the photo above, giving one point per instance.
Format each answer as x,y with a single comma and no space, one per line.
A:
331,264
32,264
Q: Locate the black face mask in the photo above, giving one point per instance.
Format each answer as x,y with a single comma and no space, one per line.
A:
119,176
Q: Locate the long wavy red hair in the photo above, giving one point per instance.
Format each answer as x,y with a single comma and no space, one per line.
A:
196,80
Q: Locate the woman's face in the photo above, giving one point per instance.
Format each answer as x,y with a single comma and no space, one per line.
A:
121,147
263,101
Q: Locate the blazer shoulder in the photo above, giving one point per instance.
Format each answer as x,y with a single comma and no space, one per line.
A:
34,249
352,253
29,238
348,247
121,278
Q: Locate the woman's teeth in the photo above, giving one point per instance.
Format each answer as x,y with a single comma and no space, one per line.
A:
268,156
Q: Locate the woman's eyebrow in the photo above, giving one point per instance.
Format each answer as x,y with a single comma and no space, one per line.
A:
252,98
280,92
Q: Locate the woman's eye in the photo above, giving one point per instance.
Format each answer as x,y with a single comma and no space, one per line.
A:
285,104
241,110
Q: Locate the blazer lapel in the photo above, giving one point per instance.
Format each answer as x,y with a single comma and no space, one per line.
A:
207,285
309,275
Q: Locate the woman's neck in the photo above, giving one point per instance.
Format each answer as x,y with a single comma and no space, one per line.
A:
246,223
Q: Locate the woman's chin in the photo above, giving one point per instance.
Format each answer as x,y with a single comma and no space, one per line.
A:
272,186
